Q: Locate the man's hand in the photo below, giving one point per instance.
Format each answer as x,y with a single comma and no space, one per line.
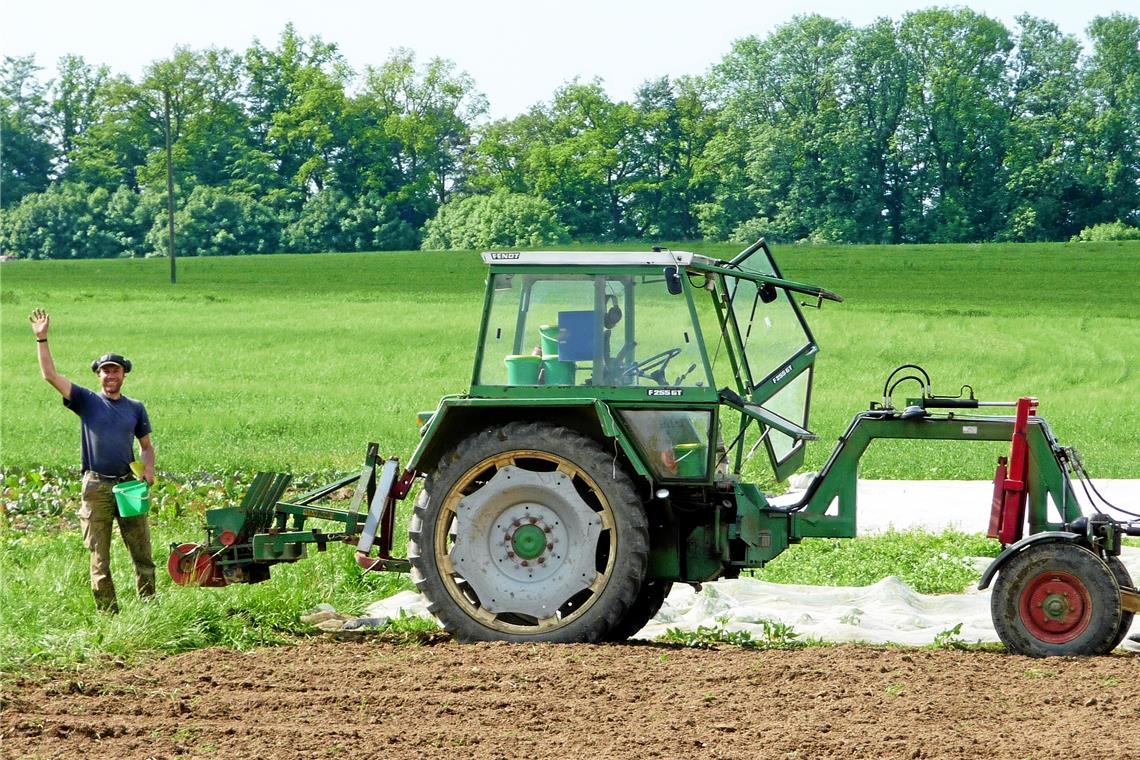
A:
146,454
40,322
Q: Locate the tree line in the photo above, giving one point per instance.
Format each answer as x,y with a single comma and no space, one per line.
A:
943,126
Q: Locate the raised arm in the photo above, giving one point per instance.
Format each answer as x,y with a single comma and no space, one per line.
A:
40,322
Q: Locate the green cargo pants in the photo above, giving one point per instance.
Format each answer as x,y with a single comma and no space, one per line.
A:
97,514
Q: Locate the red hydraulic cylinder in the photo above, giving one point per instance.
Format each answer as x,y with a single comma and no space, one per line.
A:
1007,518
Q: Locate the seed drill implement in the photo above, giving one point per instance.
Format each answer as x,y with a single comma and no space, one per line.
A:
597,458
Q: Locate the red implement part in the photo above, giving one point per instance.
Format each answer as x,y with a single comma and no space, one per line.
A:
999,497
192,565
1007,515
1055,607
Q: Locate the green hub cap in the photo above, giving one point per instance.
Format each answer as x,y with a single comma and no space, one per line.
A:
529,541
1055,606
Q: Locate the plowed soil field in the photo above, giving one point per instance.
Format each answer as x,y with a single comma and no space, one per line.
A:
375,698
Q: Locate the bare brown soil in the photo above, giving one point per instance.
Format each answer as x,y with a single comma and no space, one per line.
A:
374,698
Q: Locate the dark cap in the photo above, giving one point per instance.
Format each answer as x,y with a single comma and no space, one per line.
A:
119,359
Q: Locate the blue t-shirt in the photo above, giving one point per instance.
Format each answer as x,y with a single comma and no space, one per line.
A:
108,429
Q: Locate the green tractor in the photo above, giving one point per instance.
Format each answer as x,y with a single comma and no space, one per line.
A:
596,460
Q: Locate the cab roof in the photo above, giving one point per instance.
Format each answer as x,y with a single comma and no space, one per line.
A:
596,258
692,261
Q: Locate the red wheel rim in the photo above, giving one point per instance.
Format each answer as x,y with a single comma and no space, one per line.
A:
191,565
1055,607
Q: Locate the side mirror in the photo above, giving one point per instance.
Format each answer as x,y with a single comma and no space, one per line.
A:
767,292
673,281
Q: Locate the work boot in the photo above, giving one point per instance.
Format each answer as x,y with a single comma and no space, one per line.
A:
108,604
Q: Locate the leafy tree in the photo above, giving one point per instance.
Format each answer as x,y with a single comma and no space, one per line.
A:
296,104
1112,81
954,129
26,150
332,221
212,141
421,122
788,104
66,221
879,79
126,143
502,157
113,147
942,126
674,124
499,220
78,101
1042,158
214,222
585,165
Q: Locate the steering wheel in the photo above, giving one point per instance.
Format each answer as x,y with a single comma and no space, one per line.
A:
652,368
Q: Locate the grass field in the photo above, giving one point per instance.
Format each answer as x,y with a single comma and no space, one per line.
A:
295,362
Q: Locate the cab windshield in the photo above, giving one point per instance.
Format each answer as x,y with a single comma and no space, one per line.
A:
589,329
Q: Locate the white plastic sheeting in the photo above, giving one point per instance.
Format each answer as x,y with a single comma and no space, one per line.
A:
886,612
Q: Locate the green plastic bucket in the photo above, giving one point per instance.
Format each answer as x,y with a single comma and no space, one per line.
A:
549,336
691,459
557,372
133,498
522,369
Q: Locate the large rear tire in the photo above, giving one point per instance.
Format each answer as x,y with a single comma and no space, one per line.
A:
644,608
1056,599
528,532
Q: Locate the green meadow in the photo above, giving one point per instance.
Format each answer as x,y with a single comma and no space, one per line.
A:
295,362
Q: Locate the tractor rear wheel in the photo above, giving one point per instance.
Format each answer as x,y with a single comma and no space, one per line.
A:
528,532
645,606
1056,599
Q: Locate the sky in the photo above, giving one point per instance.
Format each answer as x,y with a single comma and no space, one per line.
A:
517,52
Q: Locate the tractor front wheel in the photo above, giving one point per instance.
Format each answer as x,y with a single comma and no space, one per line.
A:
529,532
1056,599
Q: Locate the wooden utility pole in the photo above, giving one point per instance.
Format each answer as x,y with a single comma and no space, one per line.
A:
169,184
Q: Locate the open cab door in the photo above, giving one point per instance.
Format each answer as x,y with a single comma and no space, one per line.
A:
775,350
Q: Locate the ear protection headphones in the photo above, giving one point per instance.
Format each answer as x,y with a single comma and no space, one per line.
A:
119,359
613,313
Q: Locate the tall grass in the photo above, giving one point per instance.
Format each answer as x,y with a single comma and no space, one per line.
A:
48,617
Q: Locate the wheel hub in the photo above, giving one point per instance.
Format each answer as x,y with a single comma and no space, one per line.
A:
1055,607
525,542
529,540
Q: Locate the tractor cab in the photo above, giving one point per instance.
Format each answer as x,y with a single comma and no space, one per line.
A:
655,335
563,322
